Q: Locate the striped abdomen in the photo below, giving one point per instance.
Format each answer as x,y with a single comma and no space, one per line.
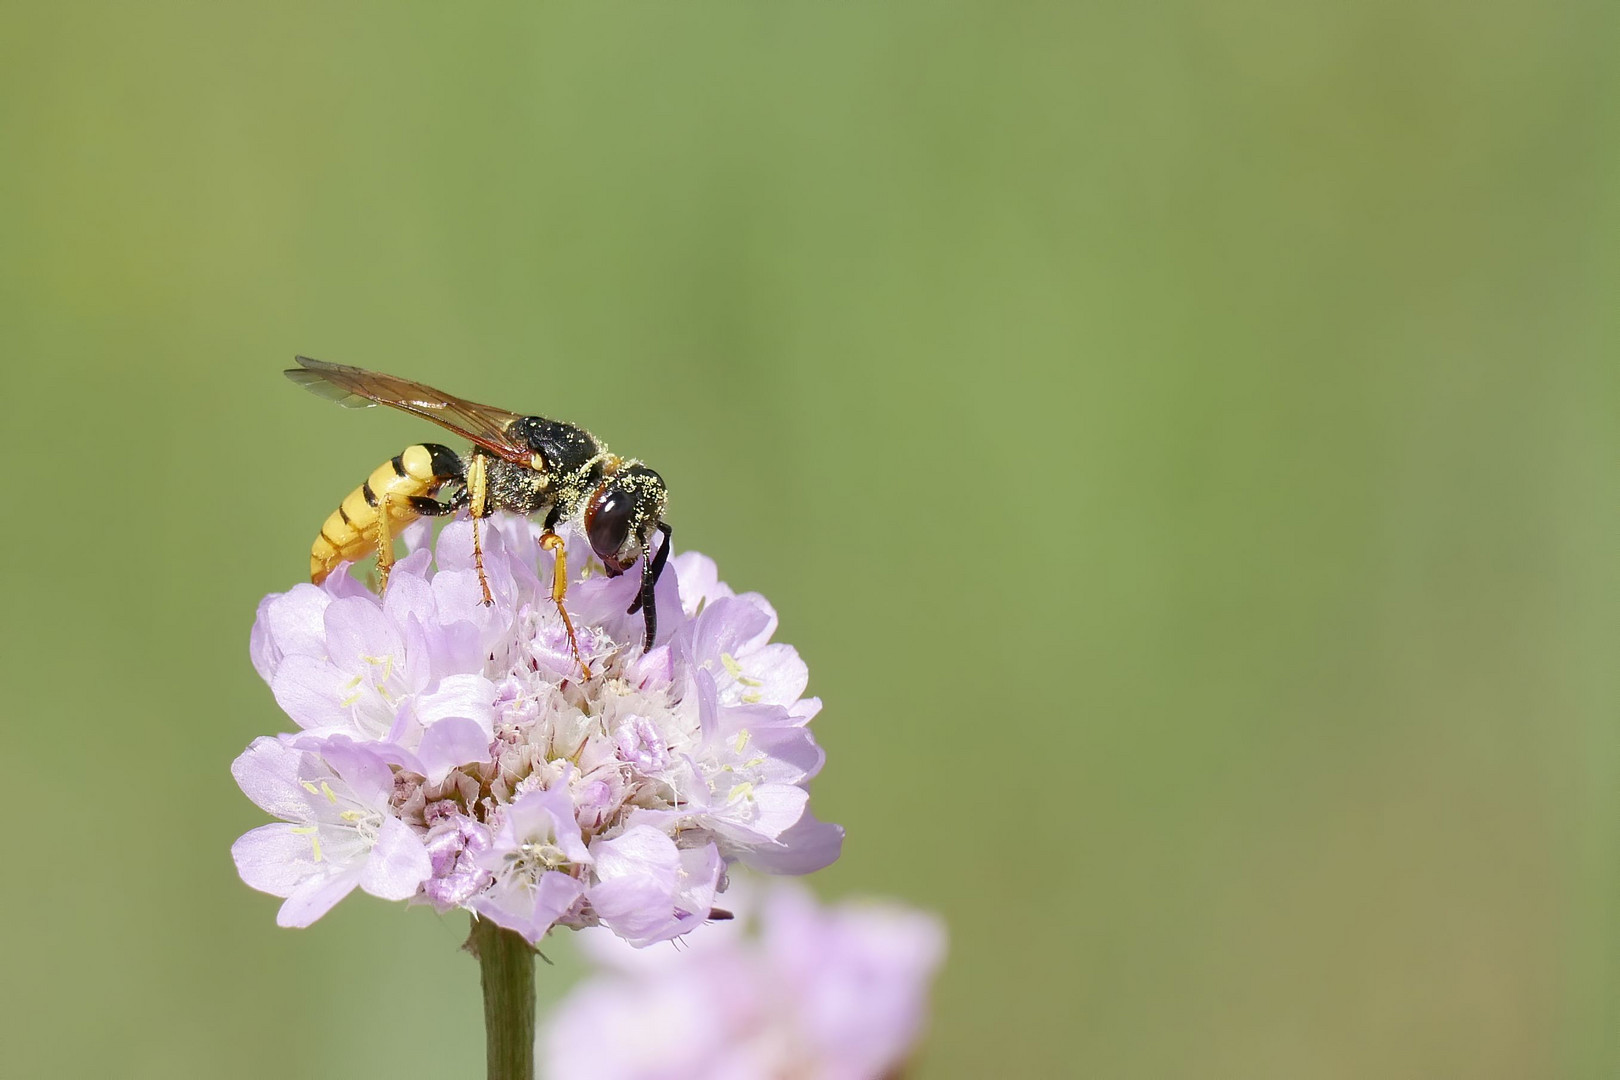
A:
403,483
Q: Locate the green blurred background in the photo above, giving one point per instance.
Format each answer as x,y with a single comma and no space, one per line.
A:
1181,438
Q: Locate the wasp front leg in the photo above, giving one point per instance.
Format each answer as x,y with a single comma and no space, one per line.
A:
550,541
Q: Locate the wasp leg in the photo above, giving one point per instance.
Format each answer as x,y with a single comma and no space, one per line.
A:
550,541
478,505
385,542
651,567
421,506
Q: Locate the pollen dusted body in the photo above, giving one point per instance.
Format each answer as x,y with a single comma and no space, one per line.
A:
525,464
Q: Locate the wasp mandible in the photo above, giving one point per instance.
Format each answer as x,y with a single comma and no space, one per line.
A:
526,464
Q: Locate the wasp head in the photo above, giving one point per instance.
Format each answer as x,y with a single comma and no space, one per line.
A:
622,515
620,519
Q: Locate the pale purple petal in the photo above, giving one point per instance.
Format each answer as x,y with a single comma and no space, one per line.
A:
273,858
638,873
449,743
262,649
410,595
529,910
267,773
781,674
312,692
791,754
808,846
316,896
366,773
398,863
699,580
725,627
469,697
295,621
359,635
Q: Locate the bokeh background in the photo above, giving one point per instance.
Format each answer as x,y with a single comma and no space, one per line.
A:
1180,437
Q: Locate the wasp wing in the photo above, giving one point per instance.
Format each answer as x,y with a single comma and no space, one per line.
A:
357,388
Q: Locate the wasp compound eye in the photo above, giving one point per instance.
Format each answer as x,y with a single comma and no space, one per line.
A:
607,523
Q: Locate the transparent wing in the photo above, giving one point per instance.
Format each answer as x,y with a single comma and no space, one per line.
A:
357,388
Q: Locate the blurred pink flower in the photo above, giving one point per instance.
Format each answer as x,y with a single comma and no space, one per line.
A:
819,993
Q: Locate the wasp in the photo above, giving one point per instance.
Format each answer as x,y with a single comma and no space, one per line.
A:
525,464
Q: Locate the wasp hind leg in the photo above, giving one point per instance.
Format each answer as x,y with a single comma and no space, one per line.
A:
550,541
420,506
478,506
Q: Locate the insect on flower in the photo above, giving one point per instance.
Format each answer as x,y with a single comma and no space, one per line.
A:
526,464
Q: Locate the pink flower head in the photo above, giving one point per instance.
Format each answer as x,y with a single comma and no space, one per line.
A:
489,775
820,993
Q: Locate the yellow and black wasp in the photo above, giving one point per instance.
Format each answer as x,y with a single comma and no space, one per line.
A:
526,464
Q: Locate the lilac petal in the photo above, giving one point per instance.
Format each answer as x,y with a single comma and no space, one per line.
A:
529,910
366,773
273,858
726,626
782,675
699,580
699,882
341,585
395,754
311,691
556,893
409,595
449,743
730,720
708,706
653,670
511,534
549,813
859,975
791,754
417,536
764,633
262,649
267,773
316,896
359,635
650,891
460,599
398,863
470,697
808,846
413,566
777,807
637,873
455,547
295,621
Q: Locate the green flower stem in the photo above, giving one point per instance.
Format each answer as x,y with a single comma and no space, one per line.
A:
507,964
